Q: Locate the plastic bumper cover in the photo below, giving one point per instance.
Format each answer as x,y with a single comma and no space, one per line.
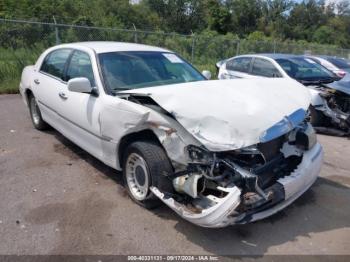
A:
223,213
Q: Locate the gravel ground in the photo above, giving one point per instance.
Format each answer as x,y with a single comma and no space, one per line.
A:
57,199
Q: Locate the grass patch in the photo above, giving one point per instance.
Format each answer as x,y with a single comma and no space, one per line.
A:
12,62
9,86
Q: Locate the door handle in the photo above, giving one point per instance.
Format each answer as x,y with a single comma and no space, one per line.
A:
62,95
36,81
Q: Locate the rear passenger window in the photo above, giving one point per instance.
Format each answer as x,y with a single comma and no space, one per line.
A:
241,64
80,66
263,67
54,62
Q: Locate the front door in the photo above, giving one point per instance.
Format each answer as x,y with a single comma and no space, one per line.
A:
80,111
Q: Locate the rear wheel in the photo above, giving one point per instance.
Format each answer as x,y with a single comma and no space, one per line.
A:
35,114
145,164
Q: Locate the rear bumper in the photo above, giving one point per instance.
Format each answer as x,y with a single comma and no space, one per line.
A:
224,214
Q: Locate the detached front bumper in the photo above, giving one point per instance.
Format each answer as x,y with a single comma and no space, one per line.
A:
224,212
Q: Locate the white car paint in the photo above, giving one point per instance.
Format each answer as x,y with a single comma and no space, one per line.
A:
264,101
225,73
213,115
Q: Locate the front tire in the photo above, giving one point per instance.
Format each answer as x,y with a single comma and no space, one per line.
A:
35,114
145,164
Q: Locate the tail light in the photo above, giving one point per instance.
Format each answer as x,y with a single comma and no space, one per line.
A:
340,73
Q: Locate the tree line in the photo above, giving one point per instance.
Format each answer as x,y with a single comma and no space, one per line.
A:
317,21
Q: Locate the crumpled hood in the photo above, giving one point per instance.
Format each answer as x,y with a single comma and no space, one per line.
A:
231,114
342,85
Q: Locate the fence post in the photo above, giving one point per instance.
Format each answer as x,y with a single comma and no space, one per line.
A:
274,46
135,34
193,46
237,47
58,41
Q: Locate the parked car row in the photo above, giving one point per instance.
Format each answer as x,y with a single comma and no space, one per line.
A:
339,66
327,79
216,152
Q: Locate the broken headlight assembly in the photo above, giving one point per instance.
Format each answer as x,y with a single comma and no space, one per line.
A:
208,170
198,154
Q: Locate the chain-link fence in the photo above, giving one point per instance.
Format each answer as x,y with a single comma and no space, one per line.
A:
22,41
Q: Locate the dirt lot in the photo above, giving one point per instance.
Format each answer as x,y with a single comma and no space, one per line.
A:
57,199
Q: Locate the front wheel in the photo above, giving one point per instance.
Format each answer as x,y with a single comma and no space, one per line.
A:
35,114
145,164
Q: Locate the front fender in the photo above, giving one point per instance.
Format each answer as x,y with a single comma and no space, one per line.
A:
122,118
316,99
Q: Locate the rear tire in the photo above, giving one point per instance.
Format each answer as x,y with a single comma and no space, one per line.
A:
35,114
145,164
316,117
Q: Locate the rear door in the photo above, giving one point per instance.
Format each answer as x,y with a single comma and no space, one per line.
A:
263,67
48,82
238,67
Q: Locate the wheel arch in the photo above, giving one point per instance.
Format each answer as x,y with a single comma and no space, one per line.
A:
27,93
143,135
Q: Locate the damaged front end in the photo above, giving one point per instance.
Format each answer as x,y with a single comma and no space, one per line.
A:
240,151
336,106
232,187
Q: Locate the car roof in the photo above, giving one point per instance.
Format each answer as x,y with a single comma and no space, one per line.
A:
327,56
279,56
109,46
271,56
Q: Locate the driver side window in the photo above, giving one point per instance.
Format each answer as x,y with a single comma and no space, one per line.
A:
239,64
263,67
80,66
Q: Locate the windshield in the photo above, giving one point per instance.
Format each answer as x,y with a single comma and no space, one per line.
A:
304,69
130,70
339,62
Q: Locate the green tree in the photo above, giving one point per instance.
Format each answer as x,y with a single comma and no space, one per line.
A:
183,16
245,15
219,17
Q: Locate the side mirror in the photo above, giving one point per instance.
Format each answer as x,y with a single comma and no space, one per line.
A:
80,85
206,74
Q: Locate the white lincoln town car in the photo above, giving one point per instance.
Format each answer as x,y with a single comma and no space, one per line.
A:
216,152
